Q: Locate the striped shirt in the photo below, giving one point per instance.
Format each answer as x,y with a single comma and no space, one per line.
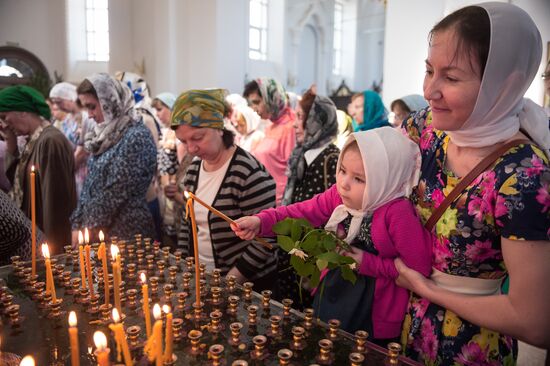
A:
246,189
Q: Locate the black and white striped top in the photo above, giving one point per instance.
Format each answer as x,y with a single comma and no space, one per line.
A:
246,189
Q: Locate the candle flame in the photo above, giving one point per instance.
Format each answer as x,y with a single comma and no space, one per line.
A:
100,340
45,251
186,194
80,237
114,251
27,361
156,311
116,317
101,236
72,319
32,168
86,236
166,309
143,278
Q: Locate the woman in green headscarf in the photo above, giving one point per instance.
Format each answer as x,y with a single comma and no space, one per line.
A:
24,112
369,111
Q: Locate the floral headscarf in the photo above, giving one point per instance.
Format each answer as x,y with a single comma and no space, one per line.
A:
200,108
117,104
320,128
274,97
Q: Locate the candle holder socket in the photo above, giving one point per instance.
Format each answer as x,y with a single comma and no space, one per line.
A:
394,349
259,352
275,329
252,315
308,318
285,356
287,305
177,328
248,290
215,322
215,353
356,359
333,324
189,262
173,273
232,309
325,356
133,336
298,342
235,329
231,283
361,341
194,339
55,309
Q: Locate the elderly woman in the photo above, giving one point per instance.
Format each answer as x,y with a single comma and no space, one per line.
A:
268,98
228,178
122,162
24,112
499,224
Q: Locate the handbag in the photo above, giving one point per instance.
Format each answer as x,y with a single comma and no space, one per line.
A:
469,178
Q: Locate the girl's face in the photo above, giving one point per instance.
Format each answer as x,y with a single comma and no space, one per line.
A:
451,83
351,179
93,107
299,124
163,114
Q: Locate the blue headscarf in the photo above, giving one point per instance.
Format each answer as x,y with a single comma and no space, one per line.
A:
374,113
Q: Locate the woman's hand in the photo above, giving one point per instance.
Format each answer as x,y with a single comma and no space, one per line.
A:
411,279
247,227
356,254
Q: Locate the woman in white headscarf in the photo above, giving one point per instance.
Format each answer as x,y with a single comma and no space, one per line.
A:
481,60
248,125
121,166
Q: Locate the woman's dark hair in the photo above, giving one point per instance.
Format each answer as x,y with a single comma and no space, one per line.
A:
473,27
86,87
401,104
228,138
307,102
251,87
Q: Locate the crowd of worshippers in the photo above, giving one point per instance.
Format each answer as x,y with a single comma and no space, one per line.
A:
111,156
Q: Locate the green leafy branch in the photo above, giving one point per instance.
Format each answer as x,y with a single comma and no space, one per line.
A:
313,250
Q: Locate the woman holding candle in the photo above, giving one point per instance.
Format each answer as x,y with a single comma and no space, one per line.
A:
122,162
24,112
227,178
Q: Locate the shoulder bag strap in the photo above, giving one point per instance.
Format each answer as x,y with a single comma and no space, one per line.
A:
469,178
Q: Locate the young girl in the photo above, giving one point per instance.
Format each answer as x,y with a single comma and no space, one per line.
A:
376,171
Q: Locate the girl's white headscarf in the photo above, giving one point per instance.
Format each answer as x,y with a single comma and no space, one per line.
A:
514,58
392,168
250,116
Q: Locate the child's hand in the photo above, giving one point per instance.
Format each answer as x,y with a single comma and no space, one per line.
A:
356,254
247,227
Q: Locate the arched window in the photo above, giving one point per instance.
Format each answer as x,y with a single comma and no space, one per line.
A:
97,30
257,31
19,66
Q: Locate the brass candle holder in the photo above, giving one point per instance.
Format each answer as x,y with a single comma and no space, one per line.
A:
298,342
325,352
266,298
55,309
182,296
361,341
235,329
46,299
287,305
12,312
168,291
132,272
105,312
38,290
356,359
233,305
275,329
259,352
84,296
216,277
150,258
133,336
140,253
58,272
154,286
131,294
68,250
166,254
231,283
93,309
161,265
173,273
285,356
204,290
189,262
138,240
248,290
215,319
394,349
239,363
178,254
67,282
177,328
156,248
197,311
131,250
216,353
147,244
333,324
74,259
216,295
308,318
7,300
26,275
202,271
252,315
75,285
195,339
186,280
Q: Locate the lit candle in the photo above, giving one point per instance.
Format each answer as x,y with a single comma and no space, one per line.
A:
81,259
190,212
116,278
49,274
73,336
33,220
102,352
89,268
169,337
153,347
146,311
120,338
102,254
27,361
190,195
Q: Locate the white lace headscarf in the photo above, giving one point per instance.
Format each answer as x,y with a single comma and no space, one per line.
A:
392,168
117,105
514,58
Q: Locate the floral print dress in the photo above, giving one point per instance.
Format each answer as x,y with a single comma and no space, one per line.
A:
510,200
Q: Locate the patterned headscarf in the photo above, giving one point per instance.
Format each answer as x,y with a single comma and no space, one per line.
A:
321,127
274,97
22,98
374,113
117,105
200,108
